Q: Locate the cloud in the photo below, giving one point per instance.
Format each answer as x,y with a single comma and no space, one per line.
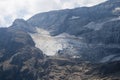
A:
12,9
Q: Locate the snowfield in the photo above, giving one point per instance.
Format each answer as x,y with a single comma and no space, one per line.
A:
50,45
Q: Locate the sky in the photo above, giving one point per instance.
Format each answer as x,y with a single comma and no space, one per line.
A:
12,9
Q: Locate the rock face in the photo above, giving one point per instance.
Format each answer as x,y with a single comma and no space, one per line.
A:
73,21
73,69
94,30
21,24
18,55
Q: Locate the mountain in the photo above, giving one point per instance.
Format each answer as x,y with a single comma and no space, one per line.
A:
91,33
71,44
75,21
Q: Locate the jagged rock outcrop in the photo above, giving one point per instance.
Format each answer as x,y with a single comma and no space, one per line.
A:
19,58
21,24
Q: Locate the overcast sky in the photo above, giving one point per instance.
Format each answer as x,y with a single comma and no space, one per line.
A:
12,9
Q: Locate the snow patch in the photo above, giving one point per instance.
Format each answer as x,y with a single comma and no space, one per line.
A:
116,59
107,58
75,17
76,57
50,45
95,26
45,42
116,11
115,19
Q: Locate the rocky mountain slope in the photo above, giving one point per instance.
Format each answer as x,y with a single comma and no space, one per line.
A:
74,69
71,44
18,55
88,32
